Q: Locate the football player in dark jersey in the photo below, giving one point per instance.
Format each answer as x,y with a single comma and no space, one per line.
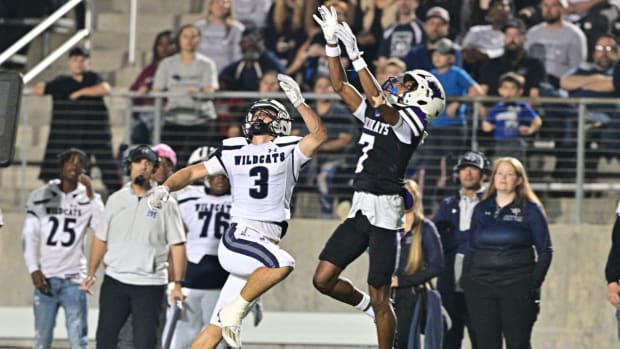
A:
393,119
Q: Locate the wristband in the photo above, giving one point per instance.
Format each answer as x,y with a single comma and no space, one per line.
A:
359,64
332,51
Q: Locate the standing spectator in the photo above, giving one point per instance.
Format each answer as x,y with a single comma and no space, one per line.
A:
421,259
453,221
205,209
142,129
393,122
508,259
612,269
560,44
134,241
484,42
167,162
244,74
514,59
284,30
79,119
511,120
220,33
449,129
266,161
53,239
406,33
436,26
252,12
188,121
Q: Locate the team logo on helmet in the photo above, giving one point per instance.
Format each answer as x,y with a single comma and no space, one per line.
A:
280,125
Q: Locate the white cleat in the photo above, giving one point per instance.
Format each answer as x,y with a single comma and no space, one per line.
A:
231,325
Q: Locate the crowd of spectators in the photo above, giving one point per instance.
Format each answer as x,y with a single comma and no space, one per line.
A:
555,47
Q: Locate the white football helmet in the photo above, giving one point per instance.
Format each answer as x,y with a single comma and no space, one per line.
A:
201,154
279,126
425,92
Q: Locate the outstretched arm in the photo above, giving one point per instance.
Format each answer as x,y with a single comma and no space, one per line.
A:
318,134
329,24
177,181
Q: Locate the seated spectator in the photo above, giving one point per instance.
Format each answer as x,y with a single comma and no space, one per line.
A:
406,33
559,44
284,29
244,74
391,67
142,129
484,42
220,33
79,119
435,28
514,59
252,12
594,80
188,119
511,120
449,130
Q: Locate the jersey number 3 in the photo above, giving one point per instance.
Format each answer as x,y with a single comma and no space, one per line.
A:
260,190
367,141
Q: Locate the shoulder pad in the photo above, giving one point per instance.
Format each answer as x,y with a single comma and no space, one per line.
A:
234,141
285,140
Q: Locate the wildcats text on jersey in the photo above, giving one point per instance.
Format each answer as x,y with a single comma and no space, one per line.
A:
208,207
71,212
376,126
260,159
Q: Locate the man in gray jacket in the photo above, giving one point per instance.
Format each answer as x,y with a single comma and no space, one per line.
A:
133,241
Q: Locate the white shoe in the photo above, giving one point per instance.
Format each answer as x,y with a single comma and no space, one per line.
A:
230,319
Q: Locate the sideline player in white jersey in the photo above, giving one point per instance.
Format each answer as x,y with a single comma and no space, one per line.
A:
205,210
55,227
262,169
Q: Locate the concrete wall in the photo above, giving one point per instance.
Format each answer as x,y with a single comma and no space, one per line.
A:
575,313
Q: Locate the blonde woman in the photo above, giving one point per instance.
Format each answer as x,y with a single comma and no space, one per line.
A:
421,259
502,275
220,33
284,29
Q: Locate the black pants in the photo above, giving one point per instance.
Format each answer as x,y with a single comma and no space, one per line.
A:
454,303
507,310
116,301
404,306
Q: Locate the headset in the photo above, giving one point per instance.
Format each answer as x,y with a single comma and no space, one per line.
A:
141,151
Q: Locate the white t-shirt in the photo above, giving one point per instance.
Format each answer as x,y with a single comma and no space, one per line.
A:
55,227
207,217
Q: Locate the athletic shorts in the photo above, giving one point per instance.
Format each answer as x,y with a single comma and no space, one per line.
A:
356,235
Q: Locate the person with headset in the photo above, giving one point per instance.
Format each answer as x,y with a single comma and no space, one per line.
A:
53,239
133,241
453,223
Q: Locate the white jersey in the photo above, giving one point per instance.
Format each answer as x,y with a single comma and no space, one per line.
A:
206,217
55,227
262,176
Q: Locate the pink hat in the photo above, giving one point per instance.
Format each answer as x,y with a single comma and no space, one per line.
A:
164,151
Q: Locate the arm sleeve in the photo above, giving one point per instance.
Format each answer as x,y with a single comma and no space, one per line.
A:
360,112
209,75
96,207
161,74
175,234
101,230
578,50
542,242
612,267
433,259
30,241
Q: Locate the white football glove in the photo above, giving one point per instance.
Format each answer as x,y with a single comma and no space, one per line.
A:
291,89
160,195
328,23
345,34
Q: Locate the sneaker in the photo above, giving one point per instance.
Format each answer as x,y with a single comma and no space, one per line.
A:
230,320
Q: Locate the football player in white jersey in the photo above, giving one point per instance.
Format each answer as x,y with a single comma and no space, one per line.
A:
54,229
262,168
205,209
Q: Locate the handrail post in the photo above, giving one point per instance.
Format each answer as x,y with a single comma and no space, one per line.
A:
580,170
133,8
474,126
157,121
128,114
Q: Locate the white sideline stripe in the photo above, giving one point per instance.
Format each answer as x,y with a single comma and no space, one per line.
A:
292,328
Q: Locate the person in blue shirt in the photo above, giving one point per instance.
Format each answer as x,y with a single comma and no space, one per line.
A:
421,259
453,220
507,260
510,120
449,130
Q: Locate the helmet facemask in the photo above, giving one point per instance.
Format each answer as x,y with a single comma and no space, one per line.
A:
280,124
422,90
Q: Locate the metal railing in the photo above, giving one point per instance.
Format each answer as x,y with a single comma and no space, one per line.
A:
568,137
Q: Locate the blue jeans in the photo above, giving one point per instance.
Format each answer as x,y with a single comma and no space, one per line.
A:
618,318
62,293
